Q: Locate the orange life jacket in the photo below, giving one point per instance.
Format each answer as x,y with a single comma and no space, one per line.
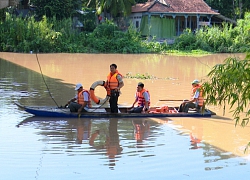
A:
141,99
200,98
112,82
80,99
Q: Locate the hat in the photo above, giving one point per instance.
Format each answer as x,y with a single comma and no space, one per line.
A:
78,86
141,84
196,81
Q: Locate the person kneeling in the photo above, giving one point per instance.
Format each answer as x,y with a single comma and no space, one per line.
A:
142,97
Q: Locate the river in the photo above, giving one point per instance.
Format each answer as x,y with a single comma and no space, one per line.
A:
177,148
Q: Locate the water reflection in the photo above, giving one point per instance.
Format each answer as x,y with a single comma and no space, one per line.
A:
194,142
196,136
141,131
83,130
100,136
111,142
26,86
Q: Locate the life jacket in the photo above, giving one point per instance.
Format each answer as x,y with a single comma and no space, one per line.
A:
80,99
141,99
200,98
112,82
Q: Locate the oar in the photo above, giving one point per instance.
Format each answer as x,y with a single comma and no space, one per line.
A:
174,99
171,100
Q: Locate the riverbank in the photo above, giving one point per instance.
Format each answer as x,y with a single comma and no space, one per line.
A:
53,36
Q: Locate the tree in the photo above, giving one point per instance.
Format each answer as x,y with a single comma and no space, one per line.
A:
58,8
230,84
115,7
2,14
234,9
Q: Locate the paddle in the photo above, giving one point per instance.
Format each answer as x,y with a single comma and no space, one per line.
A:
174,99
171,100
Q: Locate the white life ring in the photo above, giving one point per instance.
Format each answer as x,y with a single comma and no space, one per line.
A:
92,94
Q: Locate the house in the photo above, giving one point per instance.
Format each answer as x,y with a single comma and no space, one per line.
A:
7,3
168,18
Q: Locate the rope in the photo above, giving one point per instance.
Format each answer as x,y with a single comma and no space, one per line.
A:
45,81
99,106
79,115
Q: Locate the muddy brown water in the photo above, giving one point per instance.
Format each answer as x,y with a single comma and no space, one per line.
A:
172,75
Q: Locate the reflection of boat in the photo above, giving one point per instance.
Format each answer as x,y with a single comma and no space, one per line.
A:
45,119
45,111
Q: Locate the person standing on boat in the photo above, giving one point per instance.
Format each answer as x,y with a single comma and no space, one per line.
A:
196,100
142,97
82,99
113,85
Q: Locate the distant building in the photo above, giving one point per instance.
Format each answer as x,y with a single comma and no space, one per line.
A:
168,18
7,3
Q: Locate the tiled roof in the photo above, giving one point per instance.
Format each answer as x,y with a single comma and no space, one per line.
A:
174,6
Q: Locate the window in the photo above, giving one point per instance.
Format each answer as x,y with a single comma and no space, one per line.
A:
137,24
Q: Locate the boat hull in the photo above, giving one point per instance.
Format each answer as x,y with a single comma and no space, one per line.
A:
65,113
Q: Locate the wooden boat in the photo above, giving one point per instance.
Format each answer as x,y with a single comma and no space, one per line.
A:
101,112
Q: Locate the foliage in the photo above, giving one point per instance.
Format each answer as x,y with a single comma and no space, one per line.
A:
225,39
106,38
105,30
52,35
115,7
230,84
88,19
243,33
216,38
139,76
57,8
196,53
18,35
234,9
2,14
186,41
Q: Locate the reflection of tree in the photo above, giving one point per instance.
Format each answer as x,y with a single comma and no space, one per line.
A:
214,154
112,141
141,130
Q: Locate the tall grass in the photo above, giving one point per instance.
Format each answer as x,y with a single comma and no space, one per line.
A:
51,35
224,39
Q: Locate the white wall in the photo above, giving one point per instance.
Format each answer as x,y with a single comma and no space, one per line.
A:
136,19
6,3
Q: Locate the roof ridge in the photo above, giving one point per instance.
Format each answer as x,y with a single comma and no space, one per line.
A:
158,1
